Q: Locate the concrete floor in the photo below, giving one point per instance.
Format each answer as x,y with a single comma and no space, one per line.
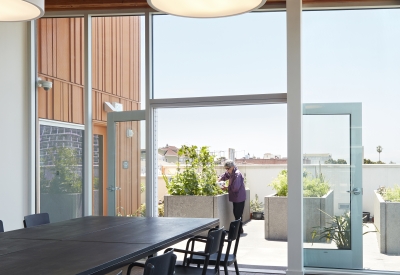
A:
258,256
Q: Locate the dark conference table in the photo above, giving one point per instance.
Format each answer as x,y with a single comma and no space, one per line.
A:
92,245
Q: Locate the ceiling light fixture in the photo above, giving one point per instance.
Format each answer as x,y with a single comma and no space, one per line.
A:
21,10
205,8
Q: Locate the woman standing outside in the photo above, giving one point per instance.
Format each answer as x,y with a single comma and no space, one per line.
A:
236,190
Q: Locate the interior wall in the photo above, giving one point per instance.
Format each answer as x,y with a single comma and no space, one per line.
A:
14,124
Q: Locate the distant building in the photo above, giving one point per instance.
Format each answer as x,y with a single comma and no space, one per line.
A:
170,153
271,156
316,158
260,161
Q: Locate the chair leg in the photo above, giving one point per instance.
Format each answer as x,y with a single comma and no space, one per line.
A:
236,268
226,269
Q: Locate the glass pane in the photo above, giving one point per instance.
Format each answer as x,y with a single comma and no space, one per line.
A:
353,56
326,180
118,83
61,158
255,138
224,56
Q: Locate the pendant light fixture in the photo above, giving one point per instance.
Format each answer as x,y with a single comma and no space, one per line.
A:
21,10
205,8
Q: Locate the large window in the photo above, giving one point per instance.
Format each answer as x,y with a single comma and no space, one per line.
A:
236,55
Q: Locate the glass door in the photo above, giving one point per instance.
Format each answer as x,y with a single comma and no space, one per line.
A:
99,170
332,185
125,157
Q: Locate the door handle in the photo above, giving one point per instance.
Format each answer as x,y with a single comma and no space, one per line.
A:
111,188
356,191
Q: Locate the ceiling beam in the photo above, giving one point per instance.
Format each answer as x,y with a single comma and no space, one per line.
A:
70,5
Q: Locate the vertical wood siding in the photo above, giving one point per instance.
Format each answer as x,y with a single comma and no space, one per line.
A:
115,78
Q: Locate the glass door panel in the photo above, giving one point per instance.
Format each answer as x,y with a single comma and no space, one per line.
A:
125,161
332,185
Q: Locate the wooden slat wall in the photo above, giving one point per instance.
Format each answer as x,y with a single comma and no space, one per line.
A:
128,198
115,78
60,60
115,72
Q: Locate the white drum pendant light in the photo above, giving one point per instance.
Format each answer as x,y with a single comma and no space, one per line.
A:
21,10
205,8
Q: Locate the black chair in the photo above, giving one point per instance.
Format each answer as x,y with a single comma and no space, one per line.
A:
213,245
1,226
150,269
36,219
161,265
227,258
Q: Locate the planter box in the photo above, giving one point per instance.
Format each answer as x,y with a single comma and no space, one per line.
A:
61,207
387,220
204,207
275,216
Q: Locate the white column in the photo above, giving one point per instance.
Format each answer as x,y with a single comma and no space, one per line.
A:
151,154
34,170
88,138
295,156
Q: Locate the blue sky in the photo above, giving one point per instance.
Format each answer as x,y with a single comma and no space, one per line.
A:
348,56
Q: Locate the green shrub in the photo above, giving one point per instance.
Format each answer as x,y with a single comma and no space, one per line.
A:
280,184
256,205
141,211
390,194
312,186
198,176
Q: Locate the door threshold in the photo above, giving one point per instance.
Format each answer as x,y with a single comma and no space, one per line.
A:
331,271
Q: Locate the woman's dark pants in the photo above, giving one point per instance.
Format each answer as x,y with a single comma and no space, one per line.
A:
238,208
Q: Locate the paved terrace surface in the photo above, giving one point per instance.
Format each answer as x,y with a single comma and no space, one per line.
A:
257,256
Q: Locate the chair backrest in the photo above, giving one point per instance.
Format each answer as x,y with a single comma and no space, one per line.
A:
213,240
36,219
149,270
234,235
163,264
234,229
214,244
1,226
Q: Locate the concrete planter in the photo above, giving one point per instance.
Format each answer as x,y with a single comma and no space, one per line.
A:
204,207
61,207
387,220
275,216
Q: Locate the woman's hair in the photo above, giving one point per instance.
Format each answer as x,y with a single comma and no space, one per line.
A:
229,163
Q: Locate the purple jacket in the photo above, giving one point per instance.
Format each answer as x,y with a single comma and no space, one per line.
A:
236,190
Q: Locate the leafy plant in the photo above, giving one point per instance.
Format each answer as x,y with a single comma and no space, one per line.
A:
338,230
390,194
338,161
312,186
368,161
64,175
141,212
256,205
280,184
121,212
197,177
